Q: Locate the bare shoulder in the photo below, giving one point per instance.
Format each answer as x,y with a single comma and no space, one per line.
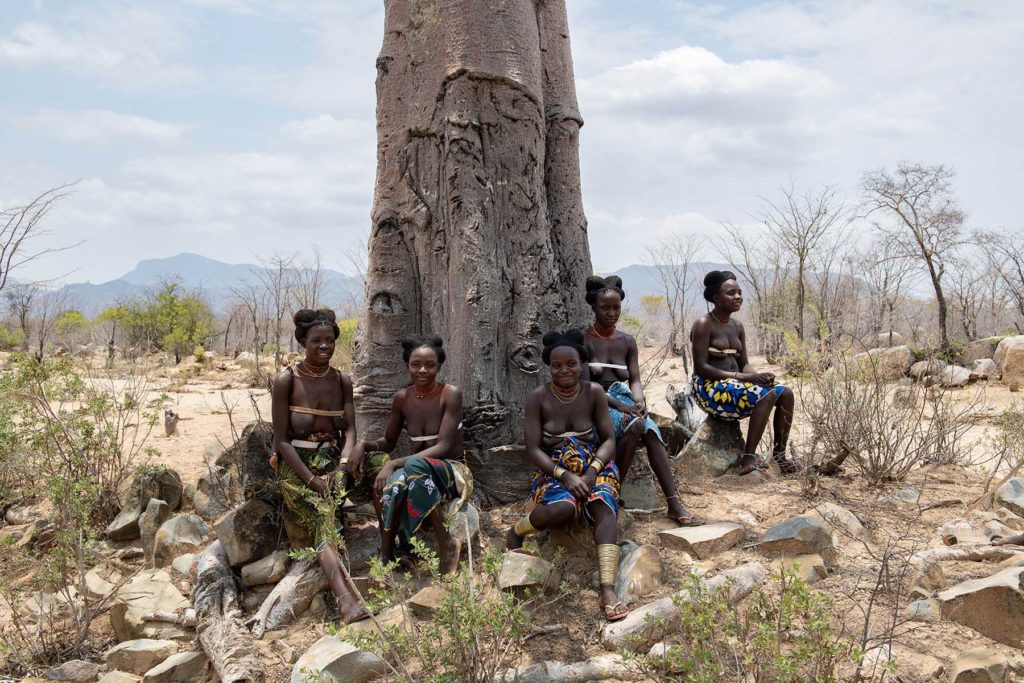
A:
701,324
283,380
537,393
630,340
739,327
400,396
597,391
346,380
453,395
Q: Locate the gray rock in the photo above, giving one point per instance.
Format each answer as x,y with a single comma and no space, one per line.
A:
98,584
177,536
981,349
152,482
184,667
979,665
1011,495
886,364
125,527
1009,356
522,571
804,535
156,513
954,376
426,602
839,519
717,448
269,569
465,523
928,610
905,496
74,671
183,564
640,573
984,368
217,491
993,606
248,532
703,541
344,661
927,368
150,591
139,656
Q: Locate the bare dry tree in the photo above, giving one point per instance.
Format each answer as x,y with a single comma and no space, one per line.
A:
276,279
21,226
672,258
52,304
1006,255
800,224
250,298
308,282
926,222
969,285
883,276
20,302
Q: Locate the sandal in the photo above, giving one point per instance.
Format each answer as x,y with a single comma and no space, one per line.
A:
754,464
616,612
685,518
362,614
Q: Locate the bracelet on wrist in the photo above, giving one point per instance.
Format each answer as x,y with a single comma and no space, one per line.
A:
597,465
311,478
559,471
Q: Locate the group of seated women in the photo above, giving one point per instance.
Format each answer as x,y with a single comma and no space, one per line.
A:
581,430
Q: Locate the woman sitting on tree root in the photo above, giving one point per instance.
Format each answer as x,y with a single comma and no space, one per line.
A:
411,490
726,386
314,433
615,365
565,422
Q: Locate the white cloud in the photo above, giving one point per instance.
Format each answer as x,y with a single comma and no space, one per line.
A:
99,126
325,128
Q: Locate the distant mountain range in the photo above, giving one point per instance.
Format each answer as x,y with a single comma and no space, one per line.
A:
216,278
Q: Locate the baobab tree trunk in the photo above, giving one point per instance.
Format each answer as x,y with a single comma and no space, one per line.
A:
478,230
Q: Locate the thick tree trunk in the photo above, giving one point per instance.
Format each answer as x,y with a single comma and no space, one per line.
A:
478,230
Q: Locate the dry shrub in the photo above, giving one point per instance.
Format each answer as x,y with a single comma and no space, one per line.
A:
886,430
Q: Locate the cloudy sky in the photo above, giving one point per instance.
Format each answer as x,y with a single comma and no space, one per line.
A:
233,128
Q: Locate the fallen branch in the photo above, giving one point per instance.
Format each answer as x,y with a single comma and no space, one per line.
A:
290,597
947,502
648,624
187,620
599,668
227,643
960,553
544,630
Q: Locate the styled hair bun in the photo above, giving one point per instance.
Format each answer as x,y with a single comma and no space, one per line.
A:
411,344
571,338
306,319
597,284
713,282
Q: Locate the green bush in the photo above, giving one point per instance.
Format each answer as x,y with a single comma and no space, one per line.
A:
11,339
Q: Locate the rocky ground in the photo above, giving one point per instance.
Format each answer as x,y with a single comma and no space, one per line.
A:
939,611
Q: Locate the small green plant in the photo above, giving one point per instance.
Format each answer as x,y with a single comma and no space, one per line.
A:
782,633
199,353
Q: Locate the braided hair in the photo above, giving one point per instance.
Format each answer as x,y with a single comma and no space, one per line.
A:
306,319
713,282
413,343
571,338
597,284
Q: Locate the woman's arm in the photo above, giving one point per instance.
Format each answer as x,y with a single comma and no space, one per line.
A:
396,420
750,374
280,399
449,429
636,387
700,335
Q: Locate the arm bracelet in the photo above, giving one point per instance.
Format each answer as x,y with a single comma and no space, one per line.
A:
597,465
559,471
311,478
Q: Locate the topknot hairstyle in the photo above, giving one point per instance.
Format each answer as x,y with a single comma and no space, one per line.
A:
571,338
597,284
306,319
713,282
413,343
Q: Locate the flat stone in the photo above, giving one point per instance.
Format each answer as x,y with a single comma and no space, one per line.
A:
927,609
640,573
522,571
984,368
426,602
839,519
156,513
74,671
703,541
248,532
330,656
139,656
119,677
184,667
98,586
993,606
396,616
979,665
149,591
42,607
269,569
1011,495
809,568
184,564
803,535
177,536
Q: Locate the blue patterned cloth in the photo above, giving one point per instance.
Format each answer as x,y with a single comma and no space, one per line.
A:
730,399
575,454
621,421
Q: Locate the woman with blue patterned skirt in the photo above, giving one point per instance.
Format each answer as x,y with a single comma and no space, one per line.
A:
569,437
724,383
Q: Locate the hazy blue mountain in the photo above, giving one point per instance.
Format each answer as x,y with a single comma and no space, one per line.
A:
193,271
640,281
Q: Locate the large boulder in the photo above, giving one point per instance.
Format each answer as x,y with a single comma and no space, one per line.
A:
993,606
716,449
1009,356
152,482
1011,496
979,665
150,591
216,492
982,348
334,659
886,364
640,573
703,541
889,339
927,368
178,536
156,513
520,571
249,532
139,656
250,459
984,368
269,569
803,535
954,376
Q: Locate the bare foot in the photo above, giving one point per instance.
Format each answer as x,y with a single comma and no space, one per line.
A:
1010,540
351,610
747,464
614,609
512,541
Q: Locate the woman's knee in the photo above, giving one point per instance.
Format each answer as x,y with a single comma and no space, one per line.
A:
787,397
636,429
559,515
416,465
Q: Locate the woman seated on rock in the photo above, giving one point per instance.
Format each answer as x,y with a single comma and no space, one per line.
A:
411,490
726,386
614,364
568,436
314,434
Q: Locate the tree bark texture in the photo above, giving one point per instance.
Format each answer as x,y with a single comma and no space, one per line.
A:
478,231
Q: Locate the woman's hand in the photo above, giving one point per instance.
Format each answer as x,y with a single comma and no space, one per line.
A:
356,460
382,479
762,378
575,485
322,485
589,478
